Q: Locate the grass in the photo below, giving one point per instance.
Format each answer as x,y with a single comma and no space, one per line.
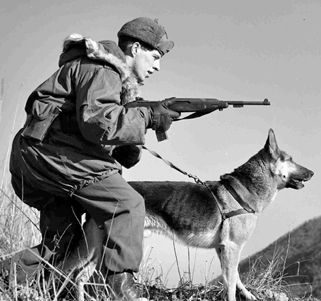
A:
19,229
18,223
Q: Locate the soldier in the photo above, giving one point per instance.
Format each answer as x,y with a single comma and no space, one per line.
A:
67,158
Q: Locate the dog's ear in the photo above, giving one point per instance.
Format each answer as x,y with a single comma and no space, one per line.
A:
271,145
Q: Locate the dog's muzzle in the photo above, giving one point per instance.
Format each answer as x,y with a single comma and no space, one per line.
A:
296,180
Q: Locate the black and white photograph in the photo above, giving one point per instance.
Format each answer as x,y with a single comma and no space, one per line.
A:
160,150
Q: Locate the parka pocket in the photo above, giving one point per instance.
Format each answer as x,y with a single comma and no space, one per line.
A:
39,121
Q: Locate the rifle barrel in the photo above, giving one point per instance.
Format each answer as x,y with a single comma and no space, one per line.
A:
265,102
198,104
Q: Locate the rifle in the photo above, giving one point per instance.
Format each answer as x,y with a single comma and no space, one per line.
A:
199,107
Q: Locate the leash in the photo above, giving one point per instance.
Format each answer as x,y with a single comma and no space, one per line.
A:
197,180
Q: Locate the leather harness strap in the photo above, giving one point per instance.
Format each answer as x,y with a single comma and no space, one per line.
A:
236,212
245,206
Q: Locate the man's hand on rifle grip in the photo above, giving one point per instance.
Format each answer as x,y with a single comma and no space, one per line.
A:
162,117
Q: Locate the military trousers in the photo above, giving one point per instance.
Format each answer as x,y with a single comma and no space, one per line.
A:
115,206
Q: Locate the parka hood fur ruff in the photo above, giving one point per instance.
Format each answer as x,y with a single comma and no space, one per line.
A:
110,54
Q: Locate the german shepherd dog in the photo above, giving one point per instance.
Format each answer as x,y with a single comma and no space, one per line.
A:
220,214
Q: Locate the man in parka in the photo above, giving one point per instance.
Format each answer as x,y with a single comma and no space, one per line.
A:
67,158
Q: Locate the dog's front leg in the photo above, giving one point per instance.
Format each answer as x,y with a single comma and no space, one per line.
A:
234,234
229,254
240,286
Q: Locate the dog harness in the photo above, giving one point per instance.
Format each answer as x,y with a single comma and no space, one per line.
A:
225,180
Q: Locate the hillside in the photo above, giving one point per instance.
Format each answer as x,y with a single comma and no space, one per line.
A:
296,256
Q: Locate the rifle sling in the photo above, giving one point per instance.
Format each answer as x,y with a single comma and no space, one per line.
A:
196,114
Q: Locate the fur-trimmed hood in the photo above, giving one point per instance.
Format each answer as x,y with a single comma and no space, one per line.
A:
75,46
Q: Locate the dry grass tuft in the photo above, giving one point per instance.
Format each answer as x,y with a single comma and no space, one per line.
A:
18,223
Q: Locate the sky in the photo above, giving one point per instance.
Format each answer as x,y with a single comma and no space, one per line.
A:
230,50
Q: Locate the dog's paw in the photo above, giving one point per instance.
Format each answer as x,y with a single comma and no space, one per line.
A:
248,296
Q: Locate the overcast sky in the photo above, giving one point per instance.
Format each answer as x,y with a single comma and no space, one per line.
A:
232,50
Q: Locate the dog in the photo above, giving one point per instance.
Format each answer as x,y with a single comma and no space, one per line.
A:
218,214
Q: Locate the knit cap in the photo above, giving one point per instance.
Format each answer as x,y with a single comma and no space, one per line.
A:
147,31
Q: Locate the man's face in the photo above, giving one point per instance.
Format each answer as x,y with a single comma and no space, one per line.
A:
145,63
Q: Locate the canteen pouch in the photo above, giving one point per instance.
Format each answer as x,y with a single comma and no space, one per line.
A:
39,121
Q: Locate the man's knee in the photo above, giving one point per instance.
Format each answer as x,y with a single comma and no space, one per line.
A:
109,197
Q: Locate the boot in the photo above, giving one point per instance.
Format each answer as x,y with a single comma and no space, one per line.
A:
123,287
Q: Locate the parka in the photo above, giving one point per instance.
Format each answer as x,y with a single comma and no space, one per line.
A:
77,117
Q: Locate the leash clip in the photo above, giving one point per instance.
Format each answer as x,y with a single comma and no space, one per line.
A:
196,179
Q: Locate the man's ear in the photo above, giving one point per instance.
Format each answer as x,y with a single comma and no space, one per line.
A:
135,48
